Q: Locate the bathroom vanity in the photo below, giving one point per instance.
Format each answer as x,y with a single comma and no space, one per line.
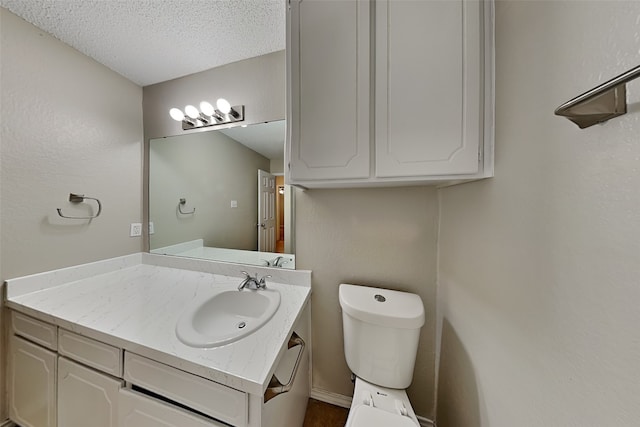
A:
97,343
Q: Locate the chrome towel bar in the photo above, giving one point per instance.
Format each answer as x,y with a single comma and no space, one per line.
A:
601,103
79,198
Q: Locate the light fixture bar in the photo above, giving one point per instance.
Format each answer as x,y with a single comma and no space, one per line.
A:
216,119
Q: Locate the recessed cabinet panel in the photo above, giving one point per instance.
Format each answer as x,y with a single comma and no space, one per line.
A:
95,354
330,86
427,87
136,410
32,384
34,330
86,397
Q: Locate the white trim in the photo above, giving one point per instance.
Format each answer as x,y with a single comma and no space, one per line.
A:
332,398
7,423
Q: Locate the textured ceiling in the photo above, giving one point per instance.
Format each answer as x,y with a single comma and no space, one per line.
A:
151,41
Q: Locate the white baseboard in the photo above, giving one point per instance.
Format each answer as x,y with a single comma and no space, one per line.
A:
345,402
332,398
7,424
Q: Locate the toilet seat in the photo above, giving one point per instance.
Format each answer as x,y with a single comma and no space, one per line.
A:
369,416
375,406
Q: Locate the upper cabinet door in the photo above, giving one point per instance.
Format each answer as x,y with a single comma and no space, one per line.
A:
329,89
428,118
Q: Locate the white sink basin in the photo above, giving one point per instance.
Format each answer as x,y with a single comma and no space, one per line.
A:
226,317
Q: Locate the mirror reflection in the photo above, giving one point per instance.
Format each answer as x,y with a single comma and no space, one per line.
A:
221,195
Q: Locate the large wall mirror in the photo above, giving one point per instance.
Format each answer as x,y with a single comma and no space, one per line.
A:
221,195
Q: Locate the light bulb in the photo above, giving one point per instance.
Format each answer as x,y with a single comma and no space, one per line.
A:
176,114
191,111
223,105
206,108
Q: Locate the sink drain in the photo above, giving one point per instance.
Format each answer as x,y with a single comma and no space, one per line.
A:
241,325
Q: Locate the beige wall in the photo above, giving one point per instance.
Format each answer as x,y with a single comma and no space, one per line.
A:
382,237
68,125
209,170
539,266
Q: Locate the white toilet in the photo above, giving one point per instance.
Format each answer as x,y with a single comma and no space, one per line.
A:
381,333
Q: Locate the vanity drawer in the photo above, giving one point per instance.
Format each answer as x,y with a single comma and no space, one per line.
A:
34,330
98,355
137,410
215,400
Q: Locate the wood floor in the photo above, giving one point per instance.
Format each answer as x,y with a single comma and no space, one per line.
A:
320,414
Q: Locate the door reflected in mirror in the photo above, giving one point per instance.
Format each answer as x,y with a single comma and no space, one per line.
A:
221,195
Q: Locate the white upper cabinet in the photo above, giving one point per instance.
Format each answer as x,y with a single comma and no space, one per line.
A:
329,89
389,92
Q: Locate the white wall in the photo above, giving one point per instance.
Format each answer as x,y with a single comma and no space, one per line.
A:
539,266
68,125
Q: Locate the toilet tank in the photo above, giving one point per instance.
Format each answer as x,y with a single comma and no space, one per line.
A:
381,333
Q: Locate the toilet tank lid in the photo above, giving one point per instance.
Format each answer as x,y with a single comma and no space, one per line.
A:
383,307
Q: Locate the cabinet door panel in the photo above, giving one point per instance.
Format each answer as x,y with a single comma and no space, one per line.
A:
86,397
428,90
136,410
330,91
32,384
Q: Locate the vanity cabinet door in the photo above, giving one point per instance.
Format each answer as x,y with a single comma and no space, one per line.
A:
32,384
328,55
137,410
86,397
428,87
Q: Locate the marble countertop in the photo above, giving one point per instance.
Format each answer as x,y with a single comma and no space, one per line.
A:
134,302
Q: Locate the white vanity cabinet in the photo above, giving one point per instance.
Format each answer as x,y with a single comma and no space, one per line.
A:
388,92
91,346
78,381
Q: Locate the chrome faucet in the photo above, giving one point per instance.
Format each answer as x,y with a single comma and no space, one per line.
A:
277,262
253,283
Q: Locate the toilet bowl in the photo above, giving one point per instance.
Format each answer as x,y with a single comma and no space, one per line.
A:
381,333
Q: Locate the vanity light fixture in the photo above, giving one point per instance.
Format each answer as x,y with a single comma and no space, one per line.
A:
192,118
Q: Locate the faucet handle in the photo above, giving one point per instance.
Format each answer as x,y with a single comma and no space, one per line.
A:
263,280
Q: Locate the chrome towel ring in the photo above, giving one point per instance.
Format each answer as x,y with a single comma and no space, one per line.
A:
79,198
